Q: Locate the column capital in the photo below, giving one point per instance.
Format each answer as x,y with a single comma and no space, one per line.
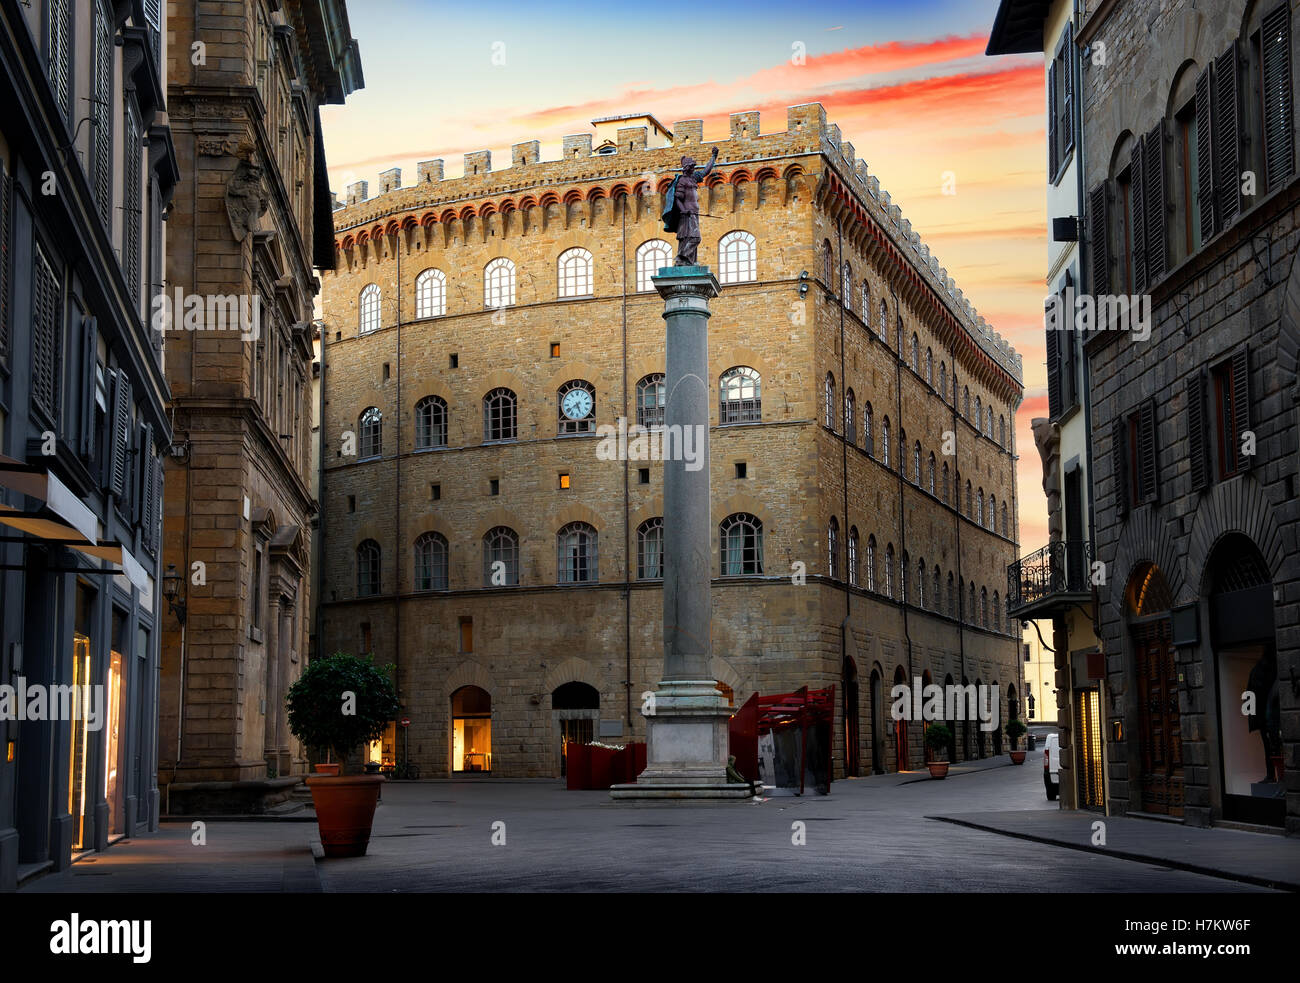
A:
686,283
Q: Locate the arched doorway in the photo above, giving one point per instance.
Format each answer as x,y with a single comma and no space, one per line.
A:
996,733
575,708
1245,662
877,723
1159,749
951,723
852,762
471,730
900,728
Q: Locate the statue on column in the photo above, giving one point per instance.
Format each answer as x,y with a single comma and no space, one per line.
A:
682,209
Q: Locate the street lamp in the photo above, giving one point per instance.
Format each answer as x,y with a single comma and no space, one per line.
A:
171,588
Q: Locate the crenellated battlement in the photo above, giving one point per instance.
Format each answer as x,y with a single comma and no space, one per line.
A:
637,159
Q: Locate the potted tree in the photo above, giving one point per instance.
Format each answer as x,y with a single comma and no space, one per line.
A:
937,739
337,703
1015,730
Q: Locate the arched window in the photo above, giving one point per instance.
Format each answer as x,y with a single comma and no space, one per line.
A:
650,400
500,557
833,548
920,583
431,562
737,258
430,423
368,568
884,440
979,507
993,512
889,570
846,286
977,419
575,546
650,549
868,440
943,380
866,304
952,597
575,407
966,402
884,322
970,500
850,417
1006,530
916,354
828,264
930,473
988,422
1002,431
651,256
904,571
740,396
984,607
830,401
741,545
499,283
369,309
945,482
916,464
871,563
853,556
929,367
574,273
371,429
898,337
997,612
430,294
971,611
500,418
936,599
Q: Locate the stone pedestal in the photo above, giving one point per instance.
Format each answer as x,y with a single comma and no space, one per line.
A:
686,754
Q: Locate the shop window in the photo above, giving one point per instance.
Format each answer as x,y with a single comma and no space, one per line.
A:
471,720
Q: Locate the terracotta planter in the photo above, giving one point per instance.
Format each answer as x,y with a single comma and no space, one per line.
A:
328,768
938,769
1018,757
345,810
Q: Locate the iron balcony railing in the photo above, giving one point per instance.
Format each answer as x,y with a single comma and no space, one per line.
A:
1057,568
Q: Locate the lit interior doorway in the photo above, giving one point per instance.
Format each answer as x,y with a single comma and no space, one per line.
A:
576,707
471,730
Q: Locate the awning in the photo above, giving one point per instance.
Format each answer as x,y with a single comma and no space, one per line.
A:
120,555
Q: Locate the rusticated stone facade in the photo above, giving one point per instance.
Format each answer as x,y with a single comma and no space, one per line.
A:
791,464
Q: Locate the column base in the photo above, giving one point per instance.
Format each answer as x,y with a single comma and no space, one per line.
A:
686,746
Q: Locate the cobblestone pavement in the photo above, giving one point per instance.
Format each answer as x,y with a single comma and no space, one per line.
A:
868,835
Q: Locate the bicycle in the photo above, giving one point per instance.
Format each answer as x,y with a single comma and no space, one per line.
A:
404,771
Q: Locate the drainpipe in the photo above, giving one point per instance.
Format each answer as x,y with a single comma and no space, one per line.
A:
397,489
627,508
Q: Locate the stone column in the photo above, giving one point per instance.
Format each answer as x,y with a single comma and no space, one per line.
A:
686,728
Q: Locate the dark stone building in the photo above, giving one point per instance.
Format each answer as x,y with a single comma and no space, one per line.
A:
86,174
1192,202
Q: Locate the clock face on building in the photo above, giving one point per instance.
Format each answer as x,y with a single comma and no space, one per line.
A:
576,404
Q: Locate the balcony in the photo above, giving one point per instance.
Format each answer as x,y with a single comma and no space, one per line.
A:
1046,582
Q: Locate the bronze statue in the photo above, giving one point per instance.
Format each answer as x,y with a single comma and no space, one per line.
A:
682,209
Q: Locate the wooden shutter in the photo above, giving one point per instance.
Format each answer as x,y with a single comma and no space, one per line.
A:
101,133
1153,159
1241,404
142,485
1067,89
5,187
1053,157
1098,224
1137,216
1279,146
1205,155
47,306
131,210
1119,464
89,358
1147,451
1197,448
1053,369
1227,135
59,54
119,463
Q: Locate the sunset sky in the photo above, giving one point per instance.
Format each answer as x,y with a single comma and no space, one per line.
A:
907,82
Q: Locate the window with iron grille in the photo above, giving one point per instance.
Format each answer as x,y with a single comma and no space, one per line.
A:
846,286
930,473
853,556
430,423
368,568
431,562
576,554
884,441
371,428
871,563
501,557
430,295
741,545
650,400
499,415
47,323
830,401
740,396
883,327
833,548
650,549
850,416
889,570
866,304
868,439
651,257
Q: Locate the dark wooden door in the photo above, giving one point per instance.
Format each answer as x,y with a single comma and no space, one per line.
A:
1160,776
